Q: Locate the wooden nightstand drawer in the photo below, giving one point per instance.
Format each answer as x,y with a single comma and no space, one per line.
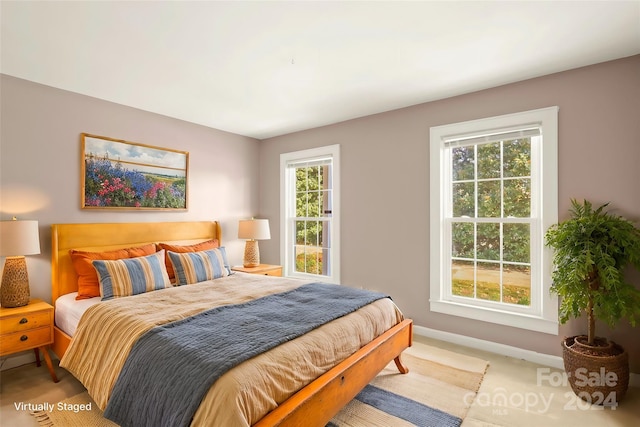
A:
25,322
274,272
263,269
25,340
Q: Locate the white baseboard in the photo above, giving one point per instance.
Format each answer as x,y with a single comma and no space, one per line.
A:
502,349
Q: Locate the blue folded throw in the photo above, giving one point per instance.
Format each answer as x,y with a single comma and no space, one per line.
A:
171,367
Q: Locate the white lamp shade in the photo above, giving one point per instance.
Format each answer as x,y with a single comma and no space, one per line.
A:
18,238
254,229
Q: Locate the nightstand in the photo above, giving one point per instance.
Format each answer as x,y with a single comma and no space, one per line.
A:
28,327
264,269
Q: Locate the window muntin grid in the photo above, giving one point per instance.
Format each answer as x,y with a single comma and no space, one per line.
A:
312,220
490,221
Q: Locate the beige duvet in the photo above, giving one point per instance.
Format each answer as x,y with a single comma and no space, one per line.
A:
246,393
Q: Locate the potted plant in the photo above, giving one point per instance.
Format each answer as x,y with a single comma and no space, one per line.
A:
592,250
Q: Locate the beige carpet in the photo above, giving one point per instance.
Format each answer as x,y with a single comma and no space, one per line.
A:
437,392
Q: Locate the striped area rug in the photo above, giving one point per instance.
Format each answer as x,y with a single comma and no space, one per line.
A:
437,392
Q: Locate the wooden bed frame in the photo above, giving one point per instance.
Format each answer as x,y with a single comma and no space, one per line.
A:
314,404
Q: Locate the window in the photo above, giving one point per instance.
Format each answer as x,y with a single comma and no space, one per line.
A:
493,196
310,213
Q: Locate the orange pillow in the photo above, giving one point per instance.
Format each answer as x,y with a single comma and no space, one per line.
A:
197,247
88,284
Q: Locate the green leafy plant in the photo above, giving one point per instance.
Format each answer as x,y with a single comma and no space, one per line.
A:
592,250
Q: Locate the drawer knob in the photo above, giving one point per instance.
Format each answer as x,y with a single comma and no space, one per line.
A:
24,338
24,320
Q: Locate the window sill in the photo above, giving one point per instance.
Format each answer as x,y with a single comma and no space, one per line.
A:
516,320
315,277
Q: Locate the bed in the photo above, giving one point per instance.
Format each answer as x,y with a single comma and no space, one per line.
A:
320,389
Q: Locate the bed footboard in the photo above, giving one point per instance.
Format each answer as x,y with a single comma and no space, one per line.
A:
317,403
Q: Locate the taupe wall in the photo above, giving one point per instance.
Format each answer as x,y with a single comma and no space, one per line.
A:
385,184
40,166
385,179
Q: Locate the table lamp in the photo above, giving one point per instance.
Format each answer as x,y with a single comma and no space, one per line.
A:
253,230
17,239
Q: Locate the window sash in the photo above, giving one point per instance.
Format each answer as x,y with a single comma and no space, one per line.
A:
327,194
541,314
293,219
449,218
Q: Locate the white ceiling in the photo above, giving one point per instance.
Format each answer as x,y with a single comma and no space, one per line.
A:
263,69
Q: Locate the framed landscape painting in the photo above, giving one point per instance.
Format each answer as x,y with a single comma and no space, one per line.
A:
119,174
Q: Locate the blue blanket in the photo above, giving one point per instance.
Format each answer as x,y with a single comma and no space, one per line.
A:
170,368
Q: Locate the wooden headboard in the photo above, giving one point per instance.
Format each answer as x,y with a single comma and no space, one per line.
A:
106,236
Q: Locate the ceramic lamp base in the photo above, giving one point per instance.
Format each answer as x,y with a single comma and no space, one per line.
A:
14,291
251,254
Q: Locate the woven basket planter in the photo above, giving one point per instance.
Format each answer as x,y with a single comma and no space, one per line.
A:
597,374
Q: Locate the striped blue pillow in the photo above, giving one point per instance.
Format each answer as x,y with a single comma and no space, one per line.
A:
131,276
194,267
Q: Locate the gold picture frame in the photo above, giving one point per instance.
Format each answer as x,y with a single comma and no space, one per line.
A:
118,174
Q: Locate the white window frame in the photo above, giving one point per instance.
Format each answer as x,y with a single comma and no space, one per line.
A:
542,314
287,211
